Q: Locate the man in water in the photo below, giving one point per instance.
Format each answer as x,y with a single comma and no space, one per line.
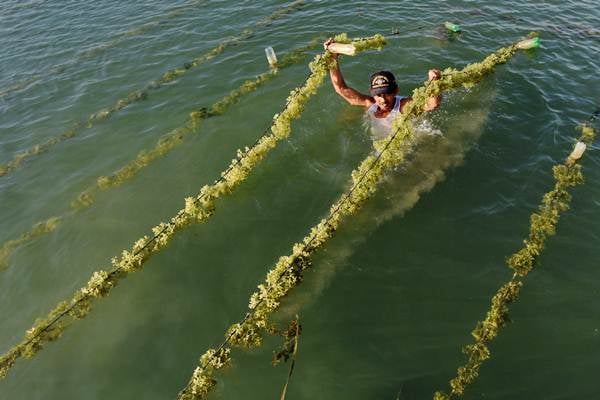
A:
384,103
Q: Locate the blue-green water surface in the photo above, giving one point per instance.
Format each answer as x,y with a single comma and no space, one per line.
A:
393,296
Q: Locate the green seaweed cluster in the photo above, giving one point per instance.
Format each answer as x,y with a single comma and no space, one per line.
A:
164,145
542,225
211,360
197,209
288,271
249,332
138,95
37,230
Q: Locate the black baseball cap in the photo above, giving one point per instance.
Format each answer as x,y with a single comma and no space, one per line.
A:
383,82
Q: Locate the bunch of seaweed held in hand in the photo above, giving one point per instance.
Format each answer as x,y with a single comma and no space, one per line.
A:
542,225
164,145
142,94
197,209
288,271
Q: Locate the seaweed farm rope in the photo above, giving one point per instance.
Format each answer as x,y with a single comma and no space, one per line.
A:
164,145
202,382
197,209
542,225
142,94
287,272
97,49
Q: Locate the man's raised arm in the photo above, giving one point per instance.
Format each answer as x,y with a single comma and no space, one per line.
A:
349,94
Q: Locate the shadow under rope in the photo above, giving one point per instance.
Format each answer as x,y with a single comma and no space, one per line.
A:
164,145
430,159
99,49
403,190
142,94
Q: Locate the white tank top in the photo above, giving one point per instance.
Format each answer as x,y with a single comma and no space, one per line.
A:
381,127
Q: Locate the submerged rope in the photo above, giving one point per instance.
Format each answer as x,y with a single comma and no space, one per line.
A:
287,272
142,94
543,224
98,49
197,209
164,145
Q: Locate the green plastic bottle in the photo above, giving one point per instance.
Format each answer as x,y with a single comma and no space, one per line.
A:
529,43
452,27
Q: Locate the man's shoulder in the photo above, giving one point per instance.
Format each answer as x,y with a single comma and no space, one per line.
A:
369,101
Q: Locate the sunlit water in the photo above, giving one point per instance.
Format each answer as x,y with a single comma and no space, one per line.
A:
393,297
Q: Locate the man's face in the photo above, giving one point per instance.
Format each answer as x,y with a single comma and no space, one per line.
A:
385,101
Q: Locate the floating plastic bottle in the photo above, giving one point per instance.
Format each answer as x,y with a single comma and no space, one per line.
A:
341,48
529,43
452,27
577,151
271,57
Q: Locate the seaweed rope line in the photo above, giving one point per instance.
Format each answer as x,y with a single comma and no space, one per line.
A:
117,270
99,285
164,145
331,216
313,237
205,381
14,353
374,163
149,242
141,94
96,49
543,225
